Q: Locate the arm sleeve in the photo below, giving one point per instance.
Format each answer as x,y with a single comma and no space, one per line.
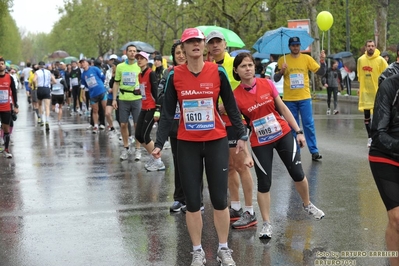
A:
154,85
230,104
168,112
13,91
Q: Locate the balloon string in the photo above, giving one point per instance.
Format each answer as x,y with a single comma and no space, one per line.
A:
322,41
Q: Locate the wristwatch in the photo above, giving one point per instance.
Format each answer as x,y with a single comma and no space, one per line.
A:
244,138
299,132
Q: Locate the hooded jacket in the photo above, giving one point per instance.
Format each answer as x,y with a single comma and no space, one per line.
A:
385,123
369,68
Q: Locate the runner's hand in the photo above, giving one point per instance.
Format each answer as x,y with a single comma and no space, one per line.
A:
156,152
301,140
115,104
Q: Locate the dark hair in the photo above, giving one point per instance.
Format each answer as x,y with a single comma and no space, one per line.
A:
2,59
370,40
173,50
238,60
130,45
56,73
274,56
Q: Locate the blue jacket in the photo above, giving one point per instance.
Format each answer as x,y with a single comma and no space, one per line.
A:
94,78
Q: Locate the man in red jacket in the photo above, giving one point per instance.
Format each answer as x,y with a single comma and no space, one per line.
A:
8,95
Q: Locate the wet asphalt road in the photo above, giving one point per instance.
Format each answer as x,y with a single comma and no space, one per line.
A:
67,199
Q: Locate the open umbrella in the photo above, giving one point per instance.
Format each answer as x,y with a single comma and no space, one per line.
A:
141,46
69,59
14,66
236,52
276,41
261,56
232,39
59,54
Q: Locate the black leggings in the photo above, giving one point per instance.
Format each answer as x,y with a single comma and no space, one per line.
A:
367,121
387,181
144,126
192,157
287,149
76,97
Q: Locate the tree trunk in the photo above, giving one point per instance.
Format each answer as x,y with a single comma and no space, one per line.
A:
381,19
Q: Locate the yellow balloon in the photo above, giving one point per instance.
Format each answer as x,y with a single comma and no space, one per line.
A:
325,20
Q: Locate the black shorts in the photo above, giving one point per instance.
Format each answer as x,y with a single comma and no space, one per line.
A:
98,98
386,178
43,93
57,99
5,117
109,102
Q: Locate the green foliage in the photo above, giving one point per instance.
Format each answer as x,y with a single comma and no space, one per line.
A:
10,47
95,27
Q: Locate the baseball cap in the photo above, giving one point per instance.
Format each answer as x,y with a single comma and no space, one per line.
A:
192,33
84,59
158,57
214,34
41,63
294,40
113,56
385,53
143,54
62,63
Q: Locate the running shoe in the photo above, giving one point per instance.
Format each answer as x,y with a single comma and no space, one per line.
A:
314,211
150,161
369,142
166,145
328,111
266,231
224,257
137,155
316,156
7,154
176,206
95,130
125,153
198,258
157,165
89,127
246,220
47,126
39,120
102,127
57,108
335,112
235,215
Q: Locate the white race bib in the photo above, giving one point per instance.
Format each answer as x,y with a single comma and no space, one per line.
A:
91,82
198,114
129,78
4,97
267,128
297,81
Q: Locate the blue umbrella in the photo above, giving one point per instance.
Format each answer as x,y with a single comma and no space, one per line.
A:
340,55
141,46
276,41
236,52
261,56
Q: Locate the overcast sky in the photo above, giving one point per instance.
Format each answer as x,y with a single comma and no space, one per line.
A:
36,15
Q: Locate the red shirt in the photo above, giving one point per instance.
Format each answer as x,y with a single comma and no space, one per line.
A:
198,100
258,105
5,93
148,101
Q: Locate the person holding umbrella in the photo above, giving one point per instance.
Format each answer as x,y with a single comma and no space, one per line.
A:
202,139
294,68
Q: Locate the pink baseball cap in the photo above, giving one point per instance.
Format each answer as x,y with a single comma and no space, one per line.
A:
143,54
192,33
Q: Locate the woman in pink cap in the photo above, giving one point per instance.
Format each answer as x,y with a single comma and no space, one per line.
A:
202,139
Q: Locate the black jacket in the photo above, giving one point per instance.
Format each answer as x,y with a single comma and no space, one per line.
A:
385,123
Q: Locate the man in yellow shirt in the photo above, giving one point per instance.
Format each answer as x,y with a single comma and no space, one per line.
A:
369,67
295,67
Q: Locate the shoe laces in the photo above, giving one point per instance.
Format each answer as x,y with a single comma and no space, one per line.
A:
197,255
225,254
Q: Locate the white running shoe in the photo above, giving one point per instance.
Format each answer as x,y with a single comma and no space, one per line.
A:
314,211
266,231
150,162
328,111
125,153
157,165
7,154
137,155
198,258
